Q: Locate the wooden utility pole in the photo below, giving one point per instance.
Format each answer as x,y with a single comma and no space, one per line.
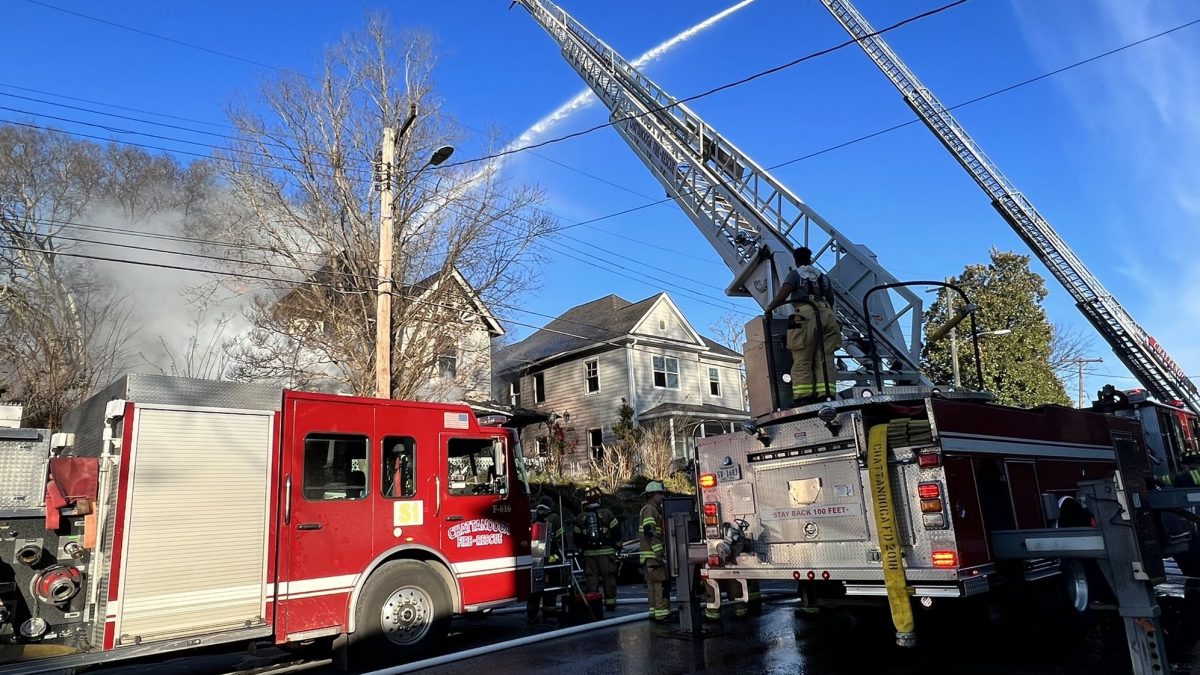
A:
387,241
387,238
1081,362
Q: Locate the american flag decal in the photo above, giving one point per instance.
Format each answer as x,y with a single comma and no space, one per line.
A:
453,420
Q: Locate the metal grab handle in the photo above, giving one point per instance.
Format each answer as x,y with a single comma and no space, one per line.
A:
454,518
308,526
437,490
287,501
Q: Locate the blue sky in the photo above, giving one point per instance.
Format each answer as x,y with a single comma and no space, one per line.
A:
1107,151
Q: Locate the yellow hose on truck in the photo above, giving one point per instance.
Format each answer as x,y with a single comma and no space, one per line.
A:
890,550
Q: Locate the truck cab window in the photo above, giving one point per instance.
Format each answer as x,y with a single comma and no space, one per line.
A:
335,467
475,467
399,467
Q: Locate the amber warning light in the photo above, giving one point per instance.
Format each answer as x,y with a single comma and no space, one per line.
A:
945,559
708,480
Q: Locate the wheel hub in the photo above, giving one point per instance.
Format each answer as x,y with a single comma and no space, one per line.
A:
406,615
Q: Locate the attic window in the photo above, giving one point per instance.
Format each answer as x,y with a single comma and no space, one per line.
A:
662,324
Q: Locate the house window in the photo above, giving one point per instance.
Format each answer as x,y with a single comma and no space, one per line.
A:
591,374
666,372
714,381
447,366
596,443
539,388
542,446
335,467
514,393
662,324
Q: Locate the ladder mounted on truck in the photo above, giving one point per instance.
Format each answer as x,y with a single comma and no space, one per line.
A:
751,219
1142,354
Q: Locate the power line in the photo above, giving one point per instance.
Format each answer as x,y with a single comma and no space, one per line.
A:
526,148
157,36
729,85
416,300
859,139
113,105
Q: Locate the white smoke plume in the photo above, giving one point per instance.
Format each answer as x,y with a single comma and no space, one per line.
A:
585,98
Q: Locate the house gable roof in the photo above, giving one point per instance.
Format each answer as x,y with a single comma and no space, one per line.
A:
342,278
608,320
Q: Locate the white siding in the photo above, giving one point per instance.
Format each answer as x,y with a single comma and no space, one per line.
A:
649,396
195,541
664,322
731,383
566,392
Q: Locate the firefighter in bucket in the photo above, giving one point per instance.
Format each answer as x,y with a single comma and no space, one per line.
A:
596,531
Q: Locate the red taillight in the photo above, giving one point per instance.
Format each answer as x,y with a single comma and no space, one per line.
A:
929,490
931,506
945,559
710,514
708,480
714,561
710,509
927,460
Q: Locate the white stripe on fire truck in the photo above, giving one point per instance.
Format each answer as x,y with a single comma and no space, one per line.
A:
318,586
1023,446
473,568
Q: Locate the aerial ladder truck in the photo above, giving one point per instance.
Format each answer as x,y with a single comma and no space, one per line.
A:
1143,355
898,488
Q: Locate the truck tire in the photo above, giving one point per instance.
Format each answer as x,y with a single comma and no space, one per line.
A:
404,610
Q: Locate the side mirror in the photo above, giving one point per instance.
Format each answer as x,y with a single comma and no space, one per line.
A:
500,466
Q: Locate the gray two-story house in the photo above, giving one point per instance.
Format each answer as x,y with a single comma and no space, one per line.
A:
583,364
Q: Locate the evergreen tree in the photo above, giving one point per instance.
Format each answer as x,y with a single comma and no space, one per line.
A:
1017,365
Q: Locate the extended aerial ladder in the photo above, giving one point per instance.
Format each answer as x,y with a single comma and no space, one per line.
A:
751,219
1141,353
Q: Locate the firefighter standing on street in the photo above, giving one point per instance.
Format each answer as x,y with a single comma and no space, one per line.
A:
651,529
596,531
813,334
550,532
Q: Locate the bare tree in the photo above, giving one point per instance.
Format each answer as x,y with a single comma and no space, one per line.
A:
1067,345
655,452
614,467
64,330
303,209
731,331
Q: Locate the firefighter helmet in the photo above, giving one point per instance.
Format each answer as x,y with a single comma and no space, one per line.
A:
591,495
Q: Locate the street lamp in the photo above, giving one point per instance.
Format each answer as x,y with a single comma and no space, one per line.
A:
954,348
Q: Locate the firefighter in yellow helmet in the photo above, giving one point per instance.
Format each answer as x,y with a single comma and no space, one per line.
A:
651,529
596,531
813,333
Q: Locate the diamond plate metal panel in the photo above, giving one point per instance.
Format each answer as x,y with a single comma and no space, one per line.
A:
24,457
101,570
87,421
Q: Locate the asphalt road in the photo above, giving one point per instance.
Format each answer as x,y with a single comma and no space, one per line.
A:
952,638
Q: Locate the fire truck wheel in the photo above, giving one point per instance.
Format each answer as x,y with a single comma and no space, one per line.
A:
1077,585
404,609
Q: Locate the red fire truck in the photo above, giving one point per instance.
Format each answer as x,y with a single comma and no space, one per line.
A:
181,513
